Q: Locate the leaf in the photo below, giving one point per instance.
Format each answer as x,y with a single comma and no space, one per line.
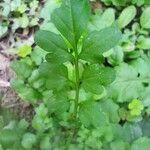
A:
127,15
98,42
100,21
95,77
58,103
24,21
145,124
111,109
54,44
119,2
27,93
144,19
8,138
48,8
135,107
24,50
22,69
116,58
22,8
117,145
38,55
138,2
131,132
56,75
91,115
58,57
142,67
143,43
45,143
28,140
141,143
69,21
127,85
50,41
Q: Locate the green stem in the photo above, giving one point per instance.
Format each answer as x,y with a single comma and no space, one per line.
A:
77,83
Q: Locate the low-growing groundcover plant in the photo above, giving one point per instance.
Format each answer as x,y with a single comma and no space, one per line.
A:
80,100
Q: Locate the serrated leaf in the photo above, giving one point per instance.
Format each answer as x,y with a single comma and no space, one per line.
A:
95,77
91,115
126,16
98,42
69,21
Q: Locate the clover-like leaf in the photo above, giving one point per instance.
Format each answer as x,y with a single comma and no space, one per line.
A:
135,107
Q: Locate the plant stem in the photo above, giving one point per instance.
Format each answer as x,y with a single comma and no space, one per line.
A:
77,83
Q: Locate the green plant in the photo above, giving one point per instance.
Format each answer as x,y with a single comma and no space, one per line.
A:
87,91
73,45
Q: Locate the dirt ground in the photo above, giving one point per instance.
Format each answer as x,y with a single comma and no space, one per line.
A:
9,99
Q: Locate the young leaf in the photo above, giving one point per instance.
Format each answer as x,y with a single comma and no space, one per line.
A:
91,115
135,107
24,50
69,21
98,42
95,77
